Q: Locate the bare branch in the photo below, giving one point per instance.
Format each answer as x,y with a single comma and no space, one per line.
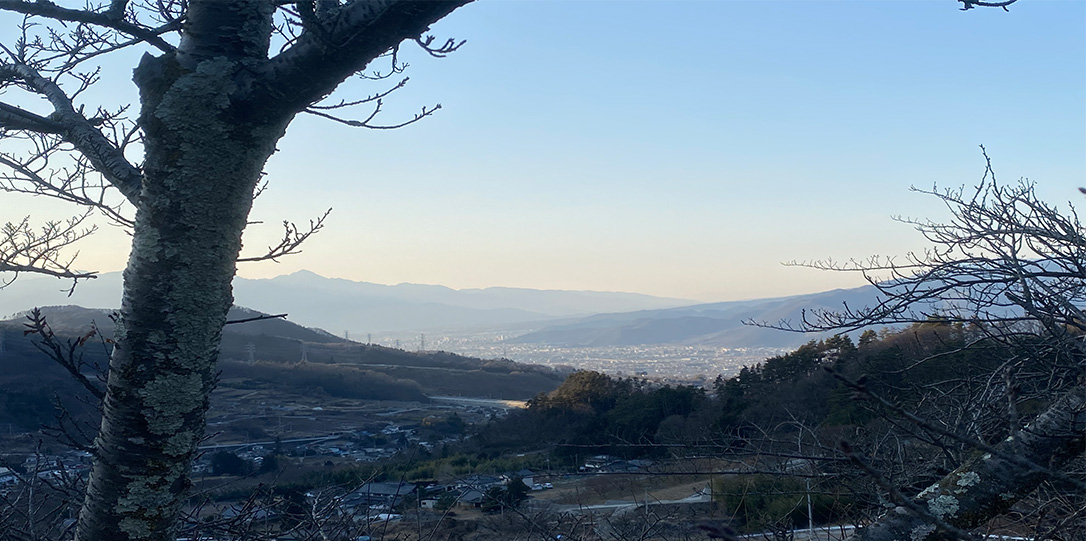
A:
261,317
450,46
112,18
1003,258
14,118
68,184
988,484
22,249
377,100
1009,454
901,499
367,99
365,123
70,430
395,66
80,132
293,237
970,4
65,354
311,68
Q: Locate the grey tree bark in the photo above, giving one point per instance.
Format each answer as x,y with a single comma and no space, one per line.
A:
211,110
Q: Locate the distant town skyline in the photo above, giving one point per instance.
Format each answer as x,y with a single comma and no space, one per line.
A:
680,149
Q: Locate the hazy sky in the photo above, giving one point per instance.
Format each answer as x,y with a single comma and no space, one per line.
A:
674,148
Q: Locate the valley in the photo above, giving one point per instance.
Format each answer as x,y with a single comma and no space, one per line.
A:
614,434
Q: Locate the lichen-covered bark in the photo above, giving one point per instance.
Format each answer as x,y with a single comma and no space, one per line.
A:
202,164
990,483
211,115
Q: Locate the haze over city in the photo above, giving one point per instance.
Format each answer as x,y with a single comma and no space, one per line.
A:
682,149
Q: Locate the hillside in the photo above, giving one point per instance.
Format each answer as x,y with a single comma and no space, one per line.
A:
332,366
715,324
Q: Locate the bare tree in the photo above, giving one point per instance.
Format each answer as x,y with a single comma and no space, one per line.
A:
219,82
1013,269
1005,258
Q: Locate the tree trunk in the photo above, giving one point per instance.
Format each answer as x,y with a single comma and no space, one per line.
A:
990,483
203,161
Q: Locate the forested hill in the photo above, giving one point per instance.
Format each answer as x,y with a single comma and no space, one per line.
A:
925,365
271,353
911,402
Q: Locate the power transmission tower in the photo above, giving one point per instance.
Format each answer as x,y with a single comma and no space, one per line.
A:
250,348
422,342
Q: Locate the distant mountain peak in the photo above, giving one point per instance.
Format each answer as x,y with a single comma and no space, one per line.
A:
306,273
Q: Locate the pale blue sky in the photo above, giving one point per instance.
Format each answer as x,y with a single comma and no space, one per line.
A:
678,148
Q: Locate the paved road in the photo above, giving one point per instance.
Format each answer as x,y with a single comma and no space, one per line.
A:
268,443
626,506
483,402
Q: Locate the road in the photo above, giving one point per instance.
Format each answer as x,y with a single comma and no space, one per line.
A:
481,402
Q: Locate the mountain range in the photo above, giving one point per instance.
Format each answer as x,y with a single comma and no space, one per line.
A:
336,304
716,324
549,317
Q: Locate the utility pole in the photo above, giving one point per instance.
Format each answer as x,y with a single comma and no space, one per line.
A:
799,451
810,517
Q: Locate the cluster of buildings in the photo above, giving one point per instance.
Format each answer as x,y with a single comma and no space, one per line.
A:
370,445
378,500
57,468
671,362
375,505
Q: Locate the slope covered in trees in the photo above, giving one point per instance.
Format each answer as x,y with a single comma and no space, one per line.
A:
810,406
